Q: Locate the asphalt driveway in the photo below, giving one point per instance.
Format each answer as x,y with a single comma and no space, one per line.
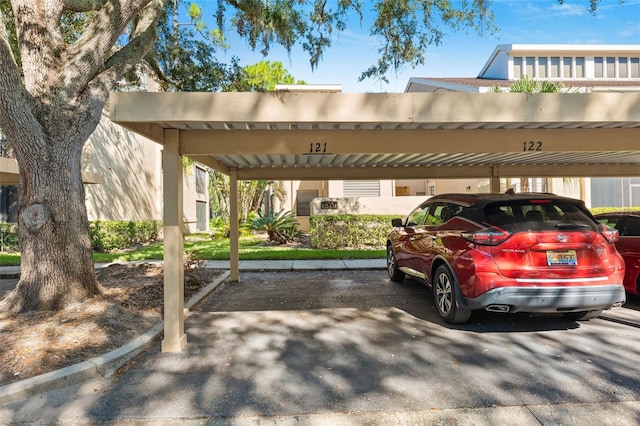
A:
319,344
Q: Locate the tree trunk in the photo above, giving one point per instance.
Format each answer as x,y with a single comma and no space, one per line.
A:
57,267
52,93
276,236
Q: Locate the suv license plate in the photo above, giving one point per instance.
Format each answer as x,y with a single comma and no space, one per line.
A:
567,257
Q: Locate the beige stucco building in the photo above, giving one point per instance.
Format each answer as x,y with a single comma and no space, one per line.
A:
130,188
122,172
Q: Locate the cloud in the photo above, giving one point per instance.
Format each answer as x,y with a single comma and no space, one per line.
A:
567,9
629,30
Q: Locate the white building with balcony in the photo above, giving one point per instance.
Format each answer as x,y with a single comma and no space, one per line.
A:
579,67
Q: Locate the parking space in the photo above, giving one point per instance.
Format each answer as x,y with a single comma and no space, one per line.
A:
352,341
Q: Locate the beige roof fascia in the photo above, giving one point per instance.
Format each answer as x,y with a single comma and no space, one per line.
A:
312,136
10,174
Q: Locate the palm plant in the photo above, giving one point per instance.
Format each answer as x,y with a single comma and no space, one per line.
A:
527,84
281,227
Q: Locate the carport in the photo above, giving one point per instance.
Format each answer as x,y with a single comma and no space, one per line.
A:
325,136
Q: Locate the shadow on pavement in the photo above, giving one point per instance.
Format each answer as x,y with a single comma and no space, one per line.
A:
264,291
323,343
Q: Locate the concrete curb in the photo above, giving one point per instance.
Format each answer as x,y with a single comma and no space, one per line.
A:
619,413
250,265
101,366
299,265
9,272
14,271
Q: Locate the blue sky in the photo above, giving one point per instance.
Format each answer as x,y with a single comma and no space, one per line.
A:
461,54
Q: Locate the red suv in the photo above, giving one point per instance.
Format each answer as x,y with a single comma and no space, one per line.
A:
509,253
628,226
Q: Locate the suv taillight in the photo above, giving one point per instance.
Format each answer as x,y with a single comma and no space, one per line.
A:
611,234
487,236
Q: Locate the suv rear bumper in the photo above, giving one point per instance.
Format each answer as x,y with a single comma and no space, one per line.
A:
550,299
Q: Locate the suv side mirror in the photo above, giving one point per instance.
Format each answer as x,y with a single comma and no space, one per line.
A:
396,223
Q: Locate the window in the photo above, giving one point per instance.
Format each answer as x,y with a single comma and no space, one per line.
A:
542,68
8,203
623,72
303,198
631,227
611,67
201,216
545,214
610,221
201,181
529,64
500,215
566,68
517,67
598,67
580,73
554,67
418,216
442,212
634,68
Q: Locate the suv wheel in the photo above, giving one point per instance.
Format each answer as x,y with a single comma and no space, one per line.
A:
392,265
447,298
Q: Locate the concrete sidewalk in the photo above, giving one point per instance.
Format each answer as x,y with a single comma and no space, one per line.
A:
300,265
252,265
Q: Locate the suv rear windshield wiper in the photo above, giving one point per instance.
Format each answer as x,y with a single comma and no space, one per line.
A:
571,225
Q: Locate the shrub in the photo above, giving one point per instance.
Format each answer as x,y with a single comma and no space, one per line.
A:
107,235
349,230
217,222
598,210
9,238
280,227
220,227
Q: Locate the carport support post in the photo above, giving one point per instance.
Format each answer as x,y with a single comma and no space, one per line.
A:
495,180
174,337
234,232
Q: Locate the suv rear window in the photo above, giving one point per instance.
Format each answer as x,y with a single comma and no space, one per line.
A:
519,215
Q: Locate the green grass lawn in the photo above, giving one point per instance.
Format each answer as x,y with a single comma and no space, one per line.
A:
251,248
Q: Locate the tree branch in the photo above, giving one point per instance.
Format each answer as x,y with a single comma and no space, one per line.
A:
80,6
86,58
40,43
158,73
13,95
141,42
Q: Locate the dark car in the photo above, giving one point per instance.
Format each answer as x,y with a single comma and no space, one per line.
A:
628,226
509,253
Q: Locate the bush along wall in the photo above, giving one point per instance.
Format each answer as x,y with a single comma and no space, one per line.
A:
599,210
107,235
9,239
349,231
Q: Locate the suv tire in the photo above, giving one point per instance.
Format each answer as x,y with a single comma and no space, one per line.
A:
395,274
447,297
